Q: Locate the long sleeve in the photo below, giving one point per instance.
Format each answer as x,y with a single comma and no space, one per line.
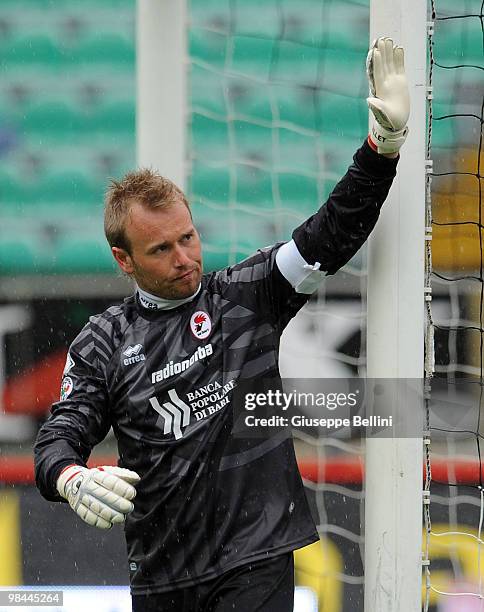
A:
79,421
340,227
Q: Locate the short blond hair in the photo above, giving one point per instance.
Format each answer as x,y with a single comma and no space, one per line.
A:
145,186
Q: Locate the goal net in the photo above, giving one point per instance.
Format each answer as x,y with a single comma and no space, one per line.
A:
454,503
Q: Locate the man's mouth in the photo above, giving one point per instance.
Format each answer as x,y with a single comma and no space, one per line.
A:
185,276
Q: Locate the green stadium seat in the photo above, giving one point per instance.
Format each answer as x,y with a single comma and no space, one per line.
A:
249,100
11,190
23,253
106,49
210,14
64,5
297,151
207,90
69,188
353,21
305,21
229,235
252,141
23,4
118,117
54,119
445,131
255,228
254,187
344,115
120,166
344,72
208,46
260,19
209,137
458,45
338,154
16,257
210,219
212,184
294,63
215,258
447,8
444,82
37,50
50,196
297,106
10,114
298,192
78,254
251,57
274,147
93,5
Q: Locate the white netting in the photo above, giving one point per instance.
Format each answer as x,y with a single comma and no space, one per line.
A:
453,520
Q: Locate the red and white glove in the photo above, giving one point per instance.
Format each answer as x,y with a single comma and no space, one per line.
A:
389,99
100,496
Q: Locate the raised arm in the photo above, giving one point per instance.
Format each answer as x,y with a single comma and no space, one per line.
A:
330,238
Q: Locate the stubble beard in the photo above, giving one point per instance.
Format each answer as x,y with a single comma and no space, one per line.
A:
167,291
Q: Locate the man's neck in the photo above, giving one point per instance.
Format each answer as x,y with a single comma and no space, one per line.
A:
153,302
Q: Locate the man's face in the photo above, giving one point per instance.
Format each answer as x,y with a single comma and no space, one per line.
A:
165,258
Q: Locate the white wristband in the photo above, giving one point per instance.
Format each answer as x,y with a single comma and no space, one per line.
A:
386,141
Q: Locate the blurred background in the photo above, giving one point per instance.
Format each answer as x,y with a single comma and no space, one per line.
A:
275,110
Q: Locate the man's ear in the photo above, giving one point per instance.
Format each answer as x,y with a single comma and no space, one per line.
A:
123,259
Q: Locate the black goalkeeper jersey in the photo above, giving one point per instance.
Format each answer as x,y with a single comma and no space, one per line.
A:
208,500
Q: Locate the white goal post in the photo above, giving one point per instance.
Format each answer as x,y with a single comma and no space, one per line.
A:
161,86
395,336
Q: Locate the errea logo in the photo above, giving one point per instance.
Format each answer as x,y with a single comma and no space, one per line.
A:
133,354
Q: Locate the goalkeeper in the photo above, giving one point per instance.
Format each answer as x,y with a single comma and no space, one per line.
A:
210,520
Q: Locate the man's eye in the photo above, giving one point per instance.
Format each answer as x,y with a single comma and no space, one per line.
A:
162,248
187,237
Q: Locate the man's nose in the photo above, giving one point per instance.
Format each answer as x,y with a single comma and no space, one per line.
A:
181,259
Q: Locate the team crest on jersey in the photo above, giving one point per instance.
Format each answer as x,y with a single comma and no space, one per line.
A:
66,387
200,325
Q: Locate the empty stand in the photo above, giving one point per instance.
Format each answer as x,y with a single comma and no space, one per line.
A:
276,110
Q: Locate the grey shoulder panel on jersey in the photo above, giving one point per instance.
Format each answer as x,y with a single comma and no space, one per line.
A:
102,334
112,322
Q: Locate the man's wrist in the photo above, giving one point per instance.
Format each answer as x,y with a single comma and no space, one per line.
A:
393,155
385,141
374,163
65,474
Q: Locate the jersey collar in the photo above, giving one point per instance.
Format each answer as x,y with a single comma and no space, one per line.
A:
153,302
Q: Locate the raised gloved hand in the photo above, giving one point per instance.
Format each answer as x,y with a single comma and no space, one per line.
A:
100,496
389,99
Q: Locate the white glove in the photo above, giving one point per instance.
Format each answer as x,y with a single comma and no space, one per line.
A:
389,99
100,496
